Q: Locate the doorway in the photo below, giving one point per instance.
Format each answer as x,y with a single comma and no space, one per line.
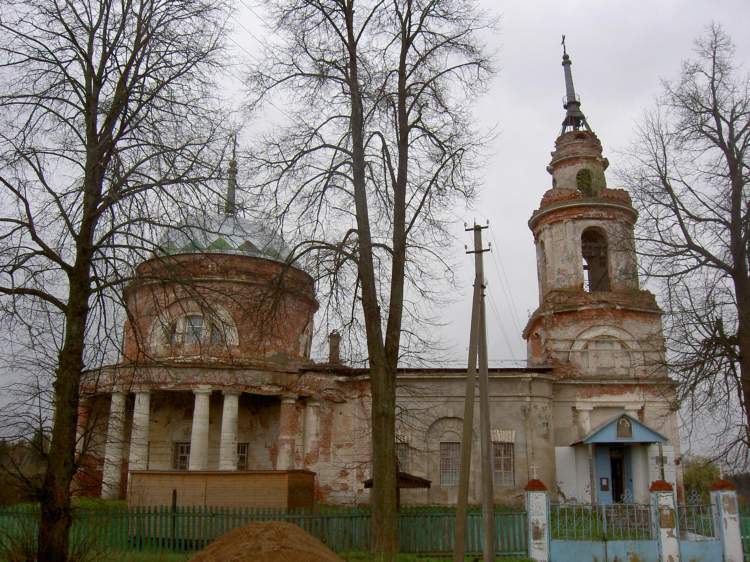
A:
617,467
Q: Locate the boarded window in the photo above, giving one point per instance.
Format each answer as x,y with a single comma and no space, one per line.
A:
242,449
503,465
595,260
181,456
450,462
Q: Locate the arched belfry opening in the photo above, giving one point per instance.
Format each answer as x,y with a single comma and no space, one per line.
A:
595,260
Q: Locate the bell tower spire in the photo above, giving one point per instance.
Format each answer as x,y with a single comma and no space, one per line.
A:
574,120
593,317
230,205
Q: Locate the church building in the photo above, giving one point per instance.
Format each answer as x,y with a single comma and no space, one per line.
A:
215,400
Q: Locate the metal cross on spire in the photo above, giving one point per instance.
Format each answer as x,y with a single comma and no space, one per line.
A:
574,120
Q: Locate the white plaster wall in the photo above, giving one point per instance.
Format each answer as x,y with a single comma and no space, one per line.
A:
566,473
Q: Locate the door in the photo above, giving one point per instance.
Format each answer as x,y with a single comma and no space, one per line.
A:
617,468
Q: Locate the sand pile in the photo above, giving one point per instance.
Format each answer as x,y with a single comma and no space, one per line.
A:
272,541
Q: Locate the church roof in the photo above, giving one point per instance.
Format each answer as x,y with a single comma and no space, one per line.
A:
608,432
226,234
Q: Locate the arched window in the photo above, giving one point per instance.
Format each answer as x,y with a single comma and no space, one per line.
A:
193,329
584,182
595,260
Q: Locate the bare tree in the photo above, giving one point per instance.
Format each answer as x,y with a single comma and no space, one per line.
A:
378,148
689,171
108,128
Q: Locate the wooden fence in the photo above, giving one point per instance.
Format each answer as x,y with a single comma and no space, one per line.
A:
191,528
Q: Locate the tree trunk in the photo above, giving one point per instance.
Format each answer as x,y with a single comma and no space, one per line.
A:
383,498
382,375
56,515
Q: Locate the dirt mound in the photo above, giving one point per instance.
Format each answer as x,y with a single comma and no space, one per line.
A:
272,541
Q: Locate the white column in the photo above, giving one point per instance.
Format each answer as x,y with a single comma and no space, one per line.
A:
113,446
312,432
228,445
199,434
139,432
727,520
663,508
287,432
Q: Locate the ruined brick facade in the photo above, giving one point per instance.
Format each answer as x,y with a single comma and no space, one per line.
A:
216,376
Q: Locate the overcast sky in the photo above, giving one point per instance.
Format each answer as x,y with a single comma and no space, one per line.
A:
621,50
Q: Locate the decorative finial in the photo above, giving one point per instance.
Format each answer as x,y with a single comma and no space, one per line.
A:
230,206
574,120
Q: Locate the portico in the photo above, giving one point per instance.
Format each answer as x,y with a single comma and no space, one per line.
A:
216,428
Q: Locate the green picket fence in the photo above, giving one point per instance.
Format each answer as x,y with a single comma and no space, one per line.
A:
745,534
191,528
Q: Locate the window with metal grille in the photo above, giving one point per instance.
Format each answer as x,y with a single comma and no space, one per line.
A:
242,449
402,454
450,461
504,473
181,456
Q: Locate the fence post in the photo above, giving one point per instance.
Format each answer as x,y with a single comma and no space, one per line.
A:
727,519
664,517
537,511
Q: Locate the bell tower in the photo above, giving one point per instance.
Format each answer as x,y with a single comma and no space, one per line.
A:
593,319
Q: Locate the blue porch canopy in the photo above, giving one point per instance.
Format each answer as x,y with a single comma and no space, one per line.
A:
623,428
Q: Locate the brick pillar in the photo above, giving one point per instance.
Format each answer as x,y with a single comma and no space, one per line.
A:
199,433
228,445
113,446
727,519
665,515
84,412
139,433
287,432
312,432
537,510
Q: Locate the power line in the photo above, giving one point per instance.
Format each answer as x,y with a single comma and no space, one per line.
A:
496,312
509,293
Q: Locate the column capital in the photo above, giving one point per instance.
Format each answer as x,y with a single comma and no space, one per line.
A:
141,390
312,401
288,398
231,392
203,389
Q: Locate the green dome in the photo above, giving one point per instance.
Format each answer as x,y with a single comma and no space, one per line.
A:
226,234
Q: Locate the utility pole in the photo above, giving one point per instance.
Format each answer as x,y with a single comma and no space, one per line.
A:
477,352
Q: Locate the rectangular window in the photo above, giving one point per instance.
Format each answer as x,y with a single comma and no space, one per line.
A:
504,473
181,456
242,449
193,329
402,454
450,461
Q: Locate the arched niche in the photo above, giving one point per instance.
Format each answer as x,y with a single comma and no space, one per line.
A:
607,351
